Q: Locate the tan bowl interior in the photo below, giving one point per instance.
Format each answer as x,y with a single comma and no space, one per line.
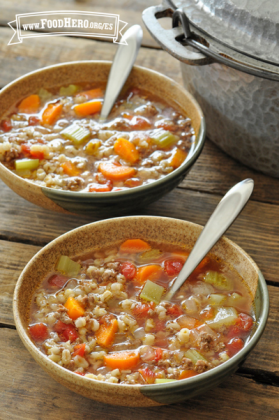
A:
95,236
87,71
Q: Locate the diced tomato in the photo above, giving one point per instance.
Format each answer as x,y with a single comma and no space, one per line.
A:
244,322
160,326
37,155
234,331
33,120
57,280
79,350
38,332
132,182
25,148
80,373
158,354
128,270
174,311
141,309
140,123
189,373
234,346
107,187
66,331
147,375
6,125
173,266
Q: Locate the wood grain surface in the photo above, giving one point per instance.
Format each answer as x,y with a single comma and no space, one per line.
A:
26,391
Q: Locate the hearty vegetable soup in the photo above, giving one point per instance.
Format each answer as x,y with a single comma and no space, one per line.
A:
104,316
54,138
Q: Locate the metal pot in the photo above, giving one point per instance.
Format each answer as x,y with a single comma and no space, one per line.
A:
229,57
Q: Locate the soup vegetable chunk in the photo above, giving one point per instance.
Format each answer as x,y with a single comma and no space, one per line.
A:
104,316
54,138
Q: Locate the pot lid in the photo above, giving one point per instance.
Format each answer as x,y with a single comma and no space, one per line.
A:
249,27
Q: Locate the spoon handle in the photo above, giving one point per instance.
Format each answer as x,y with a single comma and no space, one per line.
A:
223,216
123,62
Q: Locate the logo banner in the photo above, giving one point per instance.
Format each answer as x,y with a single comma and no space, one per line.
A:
67,22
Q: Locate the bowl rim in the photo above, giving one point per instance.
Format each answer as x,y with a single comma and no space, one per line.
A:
149,390
194,152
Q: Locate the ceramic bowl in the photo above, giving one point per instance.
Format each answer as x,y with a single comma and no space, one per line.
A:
105,233
112,203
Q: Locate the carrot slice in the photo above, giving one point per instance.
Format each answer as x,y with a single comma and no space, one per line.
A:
122,360
70,169
29,105
106,332
188,373
149,272
92,93
88,108
51,113
178,158
132,246
116,173
75,310
126,150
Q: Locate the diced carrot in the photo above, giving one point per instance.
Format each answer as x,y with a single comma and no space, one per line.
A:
133,246
178,158
149,272
126,150
101,187
115,172
51,113
187,374
92,93
79,350
75,310
70,169
122,360
106,332
88,108
29,105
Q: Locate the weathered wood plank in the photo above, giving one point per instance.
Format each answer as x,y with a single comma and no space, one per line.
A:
40,52
14,257
21,398
256,229
130,11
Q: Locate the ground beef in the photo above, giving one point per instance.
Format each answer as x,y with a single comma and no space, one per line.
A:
11,154
202,366
186,363
74,183
84,301
119,124
109,275
147,110
205,341
114,265
219,347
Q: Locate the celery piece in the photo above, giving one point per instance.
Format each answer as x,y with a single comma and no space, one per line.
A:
236,299
164,139
164,381
75,133
68,91
224,317
24,164
92,146
194,355
218,280
216,299
152,292
150,255
44,94
67,266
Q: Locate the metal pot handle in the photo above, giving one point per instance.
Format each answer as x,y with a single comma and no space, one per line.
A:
168,38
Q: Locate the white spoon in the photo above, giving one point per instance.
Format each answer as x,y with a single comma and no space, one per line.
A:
121,67
223,216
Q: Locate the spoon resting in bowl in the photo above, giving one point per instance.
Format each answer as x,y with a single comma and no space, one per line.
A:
223,216
123,62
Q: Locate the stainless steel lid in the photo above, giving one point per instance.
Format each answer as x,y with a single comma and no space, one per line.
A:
243,34
248,26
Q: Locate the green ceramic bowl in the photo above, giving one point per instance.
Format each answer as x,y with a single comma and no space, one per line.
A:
106,233
113,203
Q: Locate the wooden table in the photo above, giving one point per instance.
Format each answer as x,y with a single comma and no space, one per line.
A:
26,391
